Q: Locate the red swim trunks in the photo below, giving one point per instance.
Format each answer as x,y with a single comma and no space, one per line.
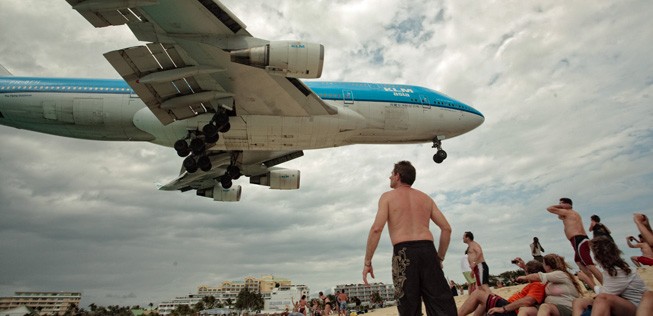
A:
645,260
582,250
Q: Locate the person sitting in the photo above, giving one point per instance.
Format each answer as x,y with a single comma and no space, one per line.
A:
482,301
622,288
646,304
561,287
647,253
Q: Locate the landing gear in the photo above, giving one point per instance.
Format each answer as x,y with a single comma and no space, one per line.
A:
440,155
232,173
195,150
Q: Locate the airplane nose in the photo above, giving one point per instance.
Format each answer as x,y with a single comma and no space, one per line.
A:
472,119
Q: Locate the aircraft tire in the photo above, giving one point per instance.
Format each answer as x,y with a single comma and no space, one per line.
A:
212,139
197,146
209,130
183,152
221,119
204,163
225,128
440,156
190,164
233,172
226,182
180,145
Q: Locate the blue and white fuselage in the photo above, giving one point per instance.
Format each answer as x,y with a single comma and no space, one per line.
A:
367,113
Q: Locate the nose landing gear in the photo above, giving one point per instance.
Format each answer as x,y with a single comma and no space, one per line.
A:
440,155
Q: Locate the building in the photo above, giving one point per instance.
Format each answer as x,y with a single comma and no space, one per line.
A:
45,303
364,292
228,290
166,308
282,298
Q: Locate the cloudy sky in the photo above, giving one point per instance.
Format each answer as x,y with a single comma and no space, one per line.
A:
565,88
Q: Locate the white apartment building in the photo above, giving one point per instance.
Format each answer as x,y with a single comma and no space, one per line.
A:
364,292
281,298
46,303
270,287
166,308
228,290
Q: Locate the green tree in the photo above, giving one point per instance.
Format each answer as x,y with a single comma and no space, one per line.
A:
376,298
209,301
250,301
182,310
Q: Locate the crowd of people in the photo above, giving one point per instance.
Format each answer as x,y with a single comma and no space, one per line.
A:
551,290
617,290
323,305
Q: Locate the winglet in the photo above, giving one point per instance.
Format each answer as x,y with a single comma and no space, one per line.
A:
4,72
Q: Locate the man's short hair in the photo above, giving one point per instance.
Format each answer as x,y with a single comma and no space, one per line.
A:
596,218
534,266
469,235
567,201
406,172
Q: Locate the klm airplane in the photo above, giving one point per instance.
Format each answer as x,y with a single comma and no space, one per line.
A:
229,104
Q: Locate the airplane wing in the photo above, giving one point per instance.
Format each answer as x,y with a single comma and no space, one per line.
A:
201,57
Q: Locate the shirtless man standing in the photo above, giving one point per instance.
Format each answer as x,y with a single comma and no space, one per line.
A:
416,265
576,234
477,262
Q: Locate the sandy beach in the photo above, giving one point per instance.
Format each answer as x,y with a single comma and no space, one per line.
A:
646,274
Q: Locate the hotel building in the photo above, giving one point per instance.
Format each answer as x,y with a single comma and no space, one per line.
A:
46,303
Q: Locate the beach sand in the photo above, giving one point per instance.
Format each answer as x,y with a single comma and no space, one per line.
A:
505,292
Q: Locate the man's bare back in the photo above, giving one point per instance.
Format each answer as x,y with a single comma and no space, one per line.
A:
409,214
570,219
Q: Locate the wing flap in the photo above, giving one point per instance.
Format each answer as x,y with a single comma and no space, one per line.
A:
102,13
169,88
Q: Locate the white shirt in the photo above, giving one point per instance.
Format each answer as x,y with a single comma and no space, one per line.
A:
629,286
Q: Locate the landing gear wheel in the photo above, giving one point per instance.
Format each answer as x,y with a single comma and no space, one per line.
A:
440,156
212,139
184,152
197,146
181,146
209,130
190,164
221,119
233,172
204,163
225,128
225,182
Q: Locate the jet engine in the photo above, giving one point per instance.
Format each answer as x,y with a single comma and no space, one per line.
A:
278,179
287,58
219,193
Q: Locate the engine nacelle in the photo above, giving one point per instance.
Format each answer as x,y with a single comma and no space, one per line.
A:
278,179
286,58
219,193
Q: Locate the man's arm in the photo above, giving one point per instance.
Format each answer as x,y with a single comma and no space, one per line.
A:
445,230
374,236
630,244
522,302
560,209
644,227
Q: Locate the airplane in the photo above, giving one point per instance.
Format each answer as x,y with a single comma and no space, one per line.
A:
230,104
